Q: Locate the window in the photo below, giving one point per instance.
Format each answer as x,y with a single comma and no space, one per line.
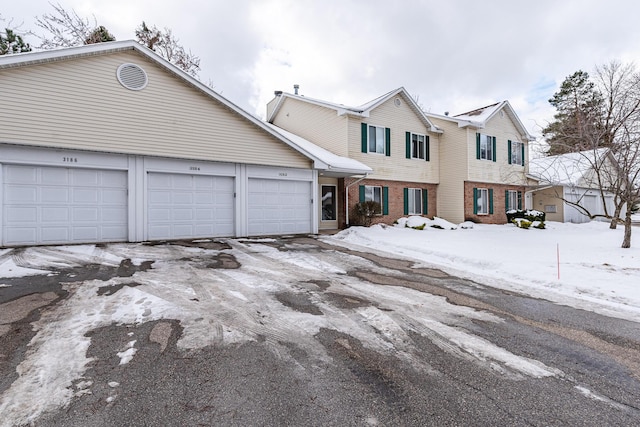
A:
513,200
414,201
417,146
550,208
485,147
373,193
516,153
328,203
482,201
376,139
376,194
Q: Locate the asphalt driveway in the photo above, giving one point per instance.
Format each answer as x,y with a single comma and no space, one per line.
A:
294,331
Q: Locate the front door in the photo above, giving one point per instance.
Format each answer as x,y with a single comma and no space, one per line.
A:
328,206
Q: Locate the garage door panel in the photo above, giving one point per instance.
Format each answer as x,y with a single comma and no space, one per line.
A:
279,206
189,206
55,176
85,214
86,196
51,205
15,194
54,195
55,234
54,214
20,174
26,214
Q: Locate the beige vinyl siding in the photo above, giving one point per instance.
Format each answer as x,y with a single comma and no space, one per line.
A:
499,171
318,124
400,119
80,104
550,196
454,158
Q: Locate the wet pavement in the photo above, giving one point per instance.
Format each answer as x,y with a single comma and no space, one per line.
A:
295,331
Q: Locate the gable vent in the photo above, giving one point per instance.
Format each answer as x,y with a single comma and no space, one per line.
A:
132,77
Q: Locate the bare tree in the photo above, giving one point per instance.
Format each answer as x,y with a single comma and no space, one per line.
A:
614,126
66,29
167,46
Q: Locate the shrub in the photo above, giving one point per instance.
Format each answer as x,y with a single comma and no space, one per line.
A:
419,227
364,212
523,223
529,215
439,227
539,224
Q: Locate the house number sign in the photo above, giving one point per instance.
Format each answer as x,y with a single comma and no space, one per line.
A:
70,159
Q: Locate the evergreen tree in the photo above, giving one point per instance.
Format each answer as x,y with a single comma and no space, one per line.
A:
579,109
10,42
98,35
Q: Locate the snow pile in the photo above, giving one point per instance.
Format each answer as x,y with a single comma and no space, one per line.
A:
581,265
420,223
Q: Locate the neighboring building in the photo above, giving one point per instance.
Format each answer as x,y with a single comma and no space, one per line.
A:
483,164
390,134
569,187
109,142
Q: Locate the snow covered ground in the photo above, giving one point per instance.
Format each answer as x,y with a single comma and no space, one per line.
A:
580,265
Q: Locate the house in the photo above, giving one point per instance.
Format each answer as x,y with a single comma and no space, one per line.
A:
390,134
483,164
569,185
109,142
466,167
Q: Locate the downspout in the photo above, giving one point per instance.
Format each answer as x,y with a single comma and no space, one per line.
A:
346,197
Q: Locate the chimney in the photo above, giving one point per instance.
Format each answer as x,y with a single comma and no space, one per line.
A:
295,89
277,92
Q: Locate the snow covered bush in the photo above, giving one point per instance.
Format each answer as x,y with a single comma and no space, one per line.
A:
517,216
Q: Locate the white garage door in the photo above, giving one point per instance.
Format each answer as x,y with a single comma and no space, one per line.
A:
279,206
51,205
189,206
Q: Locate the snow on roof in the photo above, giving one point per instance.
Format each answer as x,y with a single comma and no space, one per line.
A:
480,114
566,169
334,162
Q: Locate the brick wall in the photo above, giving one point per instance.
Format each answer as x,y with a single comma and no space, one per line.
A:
396,198
499,216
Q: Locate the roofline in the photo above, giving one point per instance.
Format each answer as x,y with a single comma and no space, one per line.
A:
482,124
41,57
356,111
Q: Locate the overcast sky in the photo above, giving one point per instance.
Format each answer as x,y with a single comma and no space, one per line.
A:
451,55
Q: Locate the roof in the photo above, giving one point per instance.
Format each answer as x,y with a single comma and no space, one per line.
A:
304,147
570,169
479,117
363,110
337,165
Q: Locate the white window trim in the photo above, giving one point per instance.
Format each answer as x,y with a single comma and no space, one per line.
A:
517,152
335,200
513,196
384,139
373,190
481,192
424,146
488,140
411,196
